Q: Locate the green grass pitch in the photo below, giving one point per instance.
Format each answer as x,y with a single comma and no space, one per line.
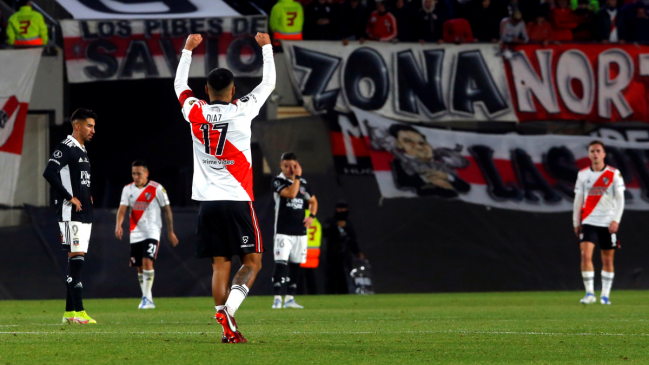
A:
478,328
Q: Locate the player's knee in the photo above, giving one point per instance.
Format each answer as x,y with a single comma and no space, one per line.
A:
586,257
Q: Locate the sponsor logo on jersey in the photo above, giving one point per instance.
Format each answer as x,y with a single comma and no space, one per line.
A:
295,203
85,178
218,164
57,154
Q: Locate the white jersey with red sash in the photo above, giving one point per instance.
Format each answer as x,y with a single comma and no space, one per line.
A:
599,189
145,204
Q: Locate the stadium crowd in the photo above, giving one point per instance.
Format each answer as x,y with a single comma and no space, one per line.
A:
459,21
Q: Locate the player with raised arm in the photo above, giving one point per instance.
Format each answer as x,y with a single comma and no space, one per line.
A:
597,212
147,199
292,197
222,183
68,172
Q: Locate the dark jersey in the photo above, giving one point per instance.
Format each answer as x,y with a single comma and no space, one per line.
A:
290,213
68,172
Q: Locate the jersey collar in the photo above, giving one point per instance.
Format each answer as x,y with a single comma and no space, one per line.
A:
605,167
74,140
218,102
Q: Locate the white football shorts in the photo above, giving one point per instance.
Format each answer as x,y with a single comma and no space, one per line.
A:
75,236
290,248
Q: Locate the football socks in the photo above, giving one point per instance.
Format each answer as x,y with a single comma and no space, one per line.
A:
147,276
75,264
294,276
589,281
237,294
141,281
280,278
607,283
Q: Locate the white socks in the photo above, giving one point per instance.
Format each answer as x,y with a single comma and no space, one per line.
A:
607,283
287,298
589,281
147,276
237,294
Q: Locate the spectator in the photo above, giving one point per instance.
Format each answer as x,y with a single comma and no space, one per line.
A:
592,5
639,25
513,29
485,21
563,20
26,27
353,20
382,25
287,20
457,31
540,30
430,19
321,21
404,16
608,26
342,246
585,18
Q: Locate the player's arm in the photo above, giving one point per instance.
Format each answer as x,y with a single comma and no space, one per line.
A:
291,191
58,160
578,203
313,210
619,203
170,226
252,103
183,91
121,213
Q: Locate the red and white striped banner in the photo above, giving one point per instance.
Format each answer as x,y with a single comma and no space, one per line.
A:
510,171
137,49
17,75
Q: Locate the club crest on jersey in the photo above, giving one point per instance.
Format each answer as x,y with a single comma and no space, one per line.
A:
302,190
605,181
147,196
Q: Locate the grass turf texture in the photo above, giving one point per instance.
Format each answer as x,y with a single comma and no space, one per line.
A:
480,328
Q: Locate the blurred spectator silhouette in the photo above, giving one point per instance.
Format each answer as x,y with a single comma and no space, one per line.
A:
563,20
485,17
321,20
512,29
382,25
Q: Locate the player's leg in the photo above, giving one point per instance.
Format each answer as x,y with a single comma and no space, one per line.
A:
66,240
149,255
588,238
80,242
608,244
136,261
220,279
281,251
297,257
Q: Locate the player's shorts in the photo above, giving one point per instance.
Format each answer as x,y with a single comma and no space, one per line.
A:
227,228
599,236
147,249
75,236
290,248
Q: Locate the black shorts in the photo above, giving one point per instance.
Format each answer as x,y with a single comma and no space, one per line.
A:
599,236
227,228
147,249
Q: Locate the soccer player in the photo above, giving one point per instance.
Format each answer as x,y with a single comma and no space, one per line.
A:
227,222
146,198
68,172
291,194
597,211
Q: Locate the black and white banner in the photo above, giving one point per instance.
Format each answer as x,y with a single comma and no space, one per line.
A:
146,9
510,171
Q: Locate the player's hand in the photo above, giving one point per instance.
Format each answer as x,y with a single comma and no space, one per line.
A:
173,239
613,227
262,39
308,221
77,204
361,256
193,41
577,229
119,232
297,169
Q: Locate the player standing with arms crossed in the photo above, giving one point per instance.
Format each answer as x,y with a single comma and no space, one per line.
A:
222,183
292,194
68,172
597,212
147,199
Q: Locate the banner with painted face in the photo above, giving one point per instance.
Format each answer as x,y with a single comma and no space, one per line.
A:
509,171
137,49
17,76
404,81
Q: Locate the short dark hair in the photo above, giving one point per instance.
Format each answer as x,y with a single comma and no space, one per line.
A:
288,156
219,79
82,114
396,128
597,142
140,163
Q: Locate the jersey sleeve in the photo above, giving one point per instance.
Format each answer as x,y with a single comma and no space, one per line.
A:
279,184
161,195
252,103
124,199
183,92
618,182
579,185
57,161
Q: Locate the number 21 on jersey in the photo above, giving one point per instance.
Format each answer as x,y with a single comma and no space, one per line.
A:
207,138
